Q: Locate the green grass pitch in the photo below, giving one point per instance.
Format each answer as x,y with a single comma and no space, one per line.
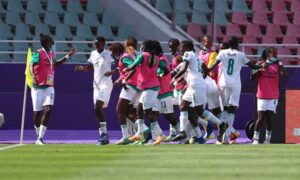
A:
151,162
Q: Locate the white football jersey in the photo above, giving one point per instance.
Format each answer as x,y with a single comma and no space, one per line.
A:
102,63
232,62
194,75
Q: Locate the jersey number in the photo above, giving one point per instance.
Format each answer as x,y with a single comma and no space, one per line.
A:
230,66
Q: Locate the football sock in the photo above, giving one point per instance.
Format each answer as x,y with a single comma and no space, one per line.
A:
184,116
173,129
102,128
230,120
202,122
140,125
256,135
42,131
210,117
124,129
268,136
37,130
197,131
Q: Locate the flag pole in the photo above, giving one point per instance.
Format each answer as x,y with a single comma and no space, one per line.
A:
28,82
23,114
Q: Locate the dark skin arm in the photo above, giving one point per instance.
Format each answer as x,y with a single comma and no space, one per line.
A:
282,70
34,81
185,65
64,59
205,70
86,68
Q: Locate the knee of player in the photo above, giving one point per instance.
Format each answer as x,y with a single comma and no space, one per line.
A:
47,109
216,111
231,109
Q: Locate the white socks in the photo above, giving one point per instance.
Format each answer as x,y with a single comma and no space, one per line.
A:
268,137
42,131
210,117
140,124
125,131
202,122
197,131
174,129
102,128
155,130
184,117
229,120
37,130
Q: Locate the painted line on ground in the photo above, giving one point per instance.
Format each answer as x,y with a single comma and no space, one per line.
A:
12,146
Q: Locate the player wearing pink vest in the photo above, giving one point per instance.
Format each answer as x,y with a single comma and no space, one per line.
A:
165,101
176,60
148,82
42,69
232,60
267,92
129,93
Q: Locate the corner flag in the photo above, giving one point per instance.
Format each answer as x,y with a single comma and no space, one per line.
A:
27,71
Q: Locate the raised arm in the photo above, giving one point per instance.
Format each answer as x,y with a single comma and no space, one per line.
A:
65,58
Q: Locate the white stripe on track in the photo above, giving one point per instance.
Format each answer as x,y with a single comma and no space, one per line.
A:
9,147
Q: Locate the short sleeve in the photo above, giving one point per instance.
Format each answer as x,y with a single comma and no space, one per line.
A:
162,64
138,60
186,57
90,60
126,61
219,56
35,57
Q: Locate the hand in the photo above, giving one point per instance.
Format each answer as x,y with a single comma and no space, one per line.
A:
109,73
265,64
117,82
172,83
72,51
78,68
125,70
125,83
34,83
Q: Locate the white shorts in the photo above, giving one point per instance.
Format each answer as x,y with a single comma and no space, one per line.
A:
148,99
177,97
267,104
164,105
131,95
212,93
230,95
195,95
42,97
102,94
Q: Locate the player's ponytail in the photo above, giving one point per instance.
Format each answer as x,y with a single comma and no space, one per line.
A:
148,47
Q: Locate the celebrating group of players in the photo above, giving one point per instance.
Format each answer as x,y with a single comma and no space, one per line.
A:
151,85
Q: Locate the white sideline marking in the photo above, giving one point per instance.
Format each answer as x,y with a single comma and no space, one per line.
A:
12,146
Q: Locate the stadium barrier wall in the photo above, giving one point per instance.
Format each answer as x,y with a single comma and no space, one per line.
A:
73,107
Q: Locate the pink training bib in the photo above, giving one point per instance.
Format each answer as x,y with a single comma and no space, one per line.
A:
268,82
147,76
44,70
165,80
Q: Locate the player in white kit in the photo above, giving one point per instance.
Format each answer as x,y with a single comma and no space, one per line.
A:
100,62
195,95
232,61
